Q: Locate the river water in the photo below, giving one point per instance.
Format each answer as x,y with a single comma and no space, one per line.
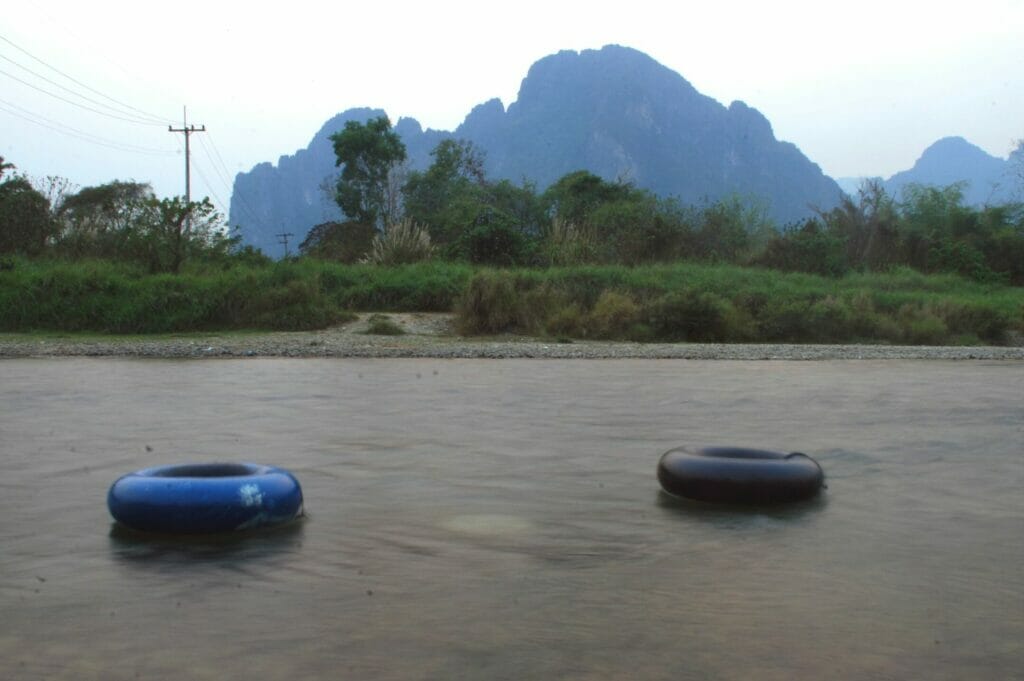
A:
502,520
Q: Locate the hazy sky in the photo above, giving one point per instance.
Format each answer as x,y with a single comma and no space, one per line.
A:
861,90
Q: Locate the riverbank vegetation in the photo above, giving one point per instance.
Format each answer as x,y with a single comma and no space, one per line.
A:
659,302
586,258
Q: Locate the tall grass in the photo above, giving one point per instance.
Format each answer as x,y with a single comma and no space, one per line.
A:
690,302
678,302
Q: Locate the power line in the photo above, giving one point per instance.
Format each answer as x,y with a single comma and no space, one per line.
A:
63,129
73,103
209,188
157,120
224,177
127,116
217,171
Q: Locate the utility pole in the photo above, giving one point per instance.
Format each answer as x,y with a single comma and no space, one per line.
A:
188,130
282,238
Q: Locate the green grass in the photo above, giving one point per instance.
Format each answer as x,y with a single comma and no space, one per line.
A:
678,302
382,325
690,302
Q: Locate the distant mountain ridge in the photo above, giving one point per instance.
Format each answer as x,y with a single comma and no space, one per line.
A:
615,112
986,179
294,195
954,159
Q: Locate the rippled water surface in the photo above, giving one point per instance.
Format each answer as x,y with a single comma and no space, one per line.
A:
502,520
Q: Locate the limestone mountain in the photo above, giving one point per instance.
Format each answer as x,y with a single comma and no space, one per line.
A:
950,160
615,112
296,194
621,115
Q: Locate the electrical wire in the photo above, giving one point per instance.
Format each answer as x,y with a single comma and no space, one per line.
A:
217,170
241,198
73,103
139,117
119,114
63,129
153,118
209,188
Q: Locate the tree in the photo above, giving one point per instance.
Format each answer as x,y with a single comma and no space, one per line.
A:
726,228
171,231
805,248
25,222
346,242
931,218
1016,168
369,154
5,166
56,189
576,195
456,171
868,227
96,221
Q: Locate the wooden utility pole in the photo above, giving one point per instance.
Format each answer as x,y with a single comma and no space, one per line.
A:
188,130
282,238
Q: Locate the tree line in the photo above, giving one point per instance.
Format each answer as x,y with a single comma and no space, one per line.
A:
453,210
118,221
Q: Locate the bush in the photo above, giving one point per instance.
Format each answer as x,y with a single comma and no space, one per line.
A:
347,242
807,249
615,315
690,315
401,244
382,325
785,320
567,244
492,303
921,326
494,243
979,319
830,320
568,321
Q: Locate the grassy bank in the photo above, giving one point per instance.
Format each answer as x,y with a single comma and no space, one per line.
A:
732,304
682,302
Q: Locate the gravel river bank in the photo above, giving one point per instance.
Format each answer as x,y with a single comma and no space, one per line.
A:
431,335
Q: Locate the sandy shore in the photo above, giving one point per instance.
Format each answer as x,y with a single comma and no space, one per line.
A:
431,335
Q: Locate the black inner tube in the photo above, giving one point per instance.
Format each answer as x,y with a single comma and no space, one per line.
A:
739,475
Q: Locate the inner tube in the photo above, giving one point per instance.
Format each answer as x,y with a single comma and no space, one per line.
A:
205,498
737,475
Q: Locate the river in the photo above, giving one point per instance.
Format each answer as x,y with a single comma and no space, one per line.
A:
482,519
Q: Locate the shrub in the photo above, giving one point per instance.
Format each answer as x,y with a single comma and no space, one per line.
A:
979,319
690,315
567,244
400,244
567,321
297,305
921,326
614,316
830,320
491,304
382,325
496,242
786,320
807,249
347,242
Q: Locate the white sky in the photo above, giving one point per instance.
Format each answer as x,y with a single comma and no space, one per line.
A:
862,90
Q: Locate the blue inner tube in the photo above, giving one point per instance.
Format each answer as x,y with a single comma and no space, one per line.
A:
205,498
739,476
